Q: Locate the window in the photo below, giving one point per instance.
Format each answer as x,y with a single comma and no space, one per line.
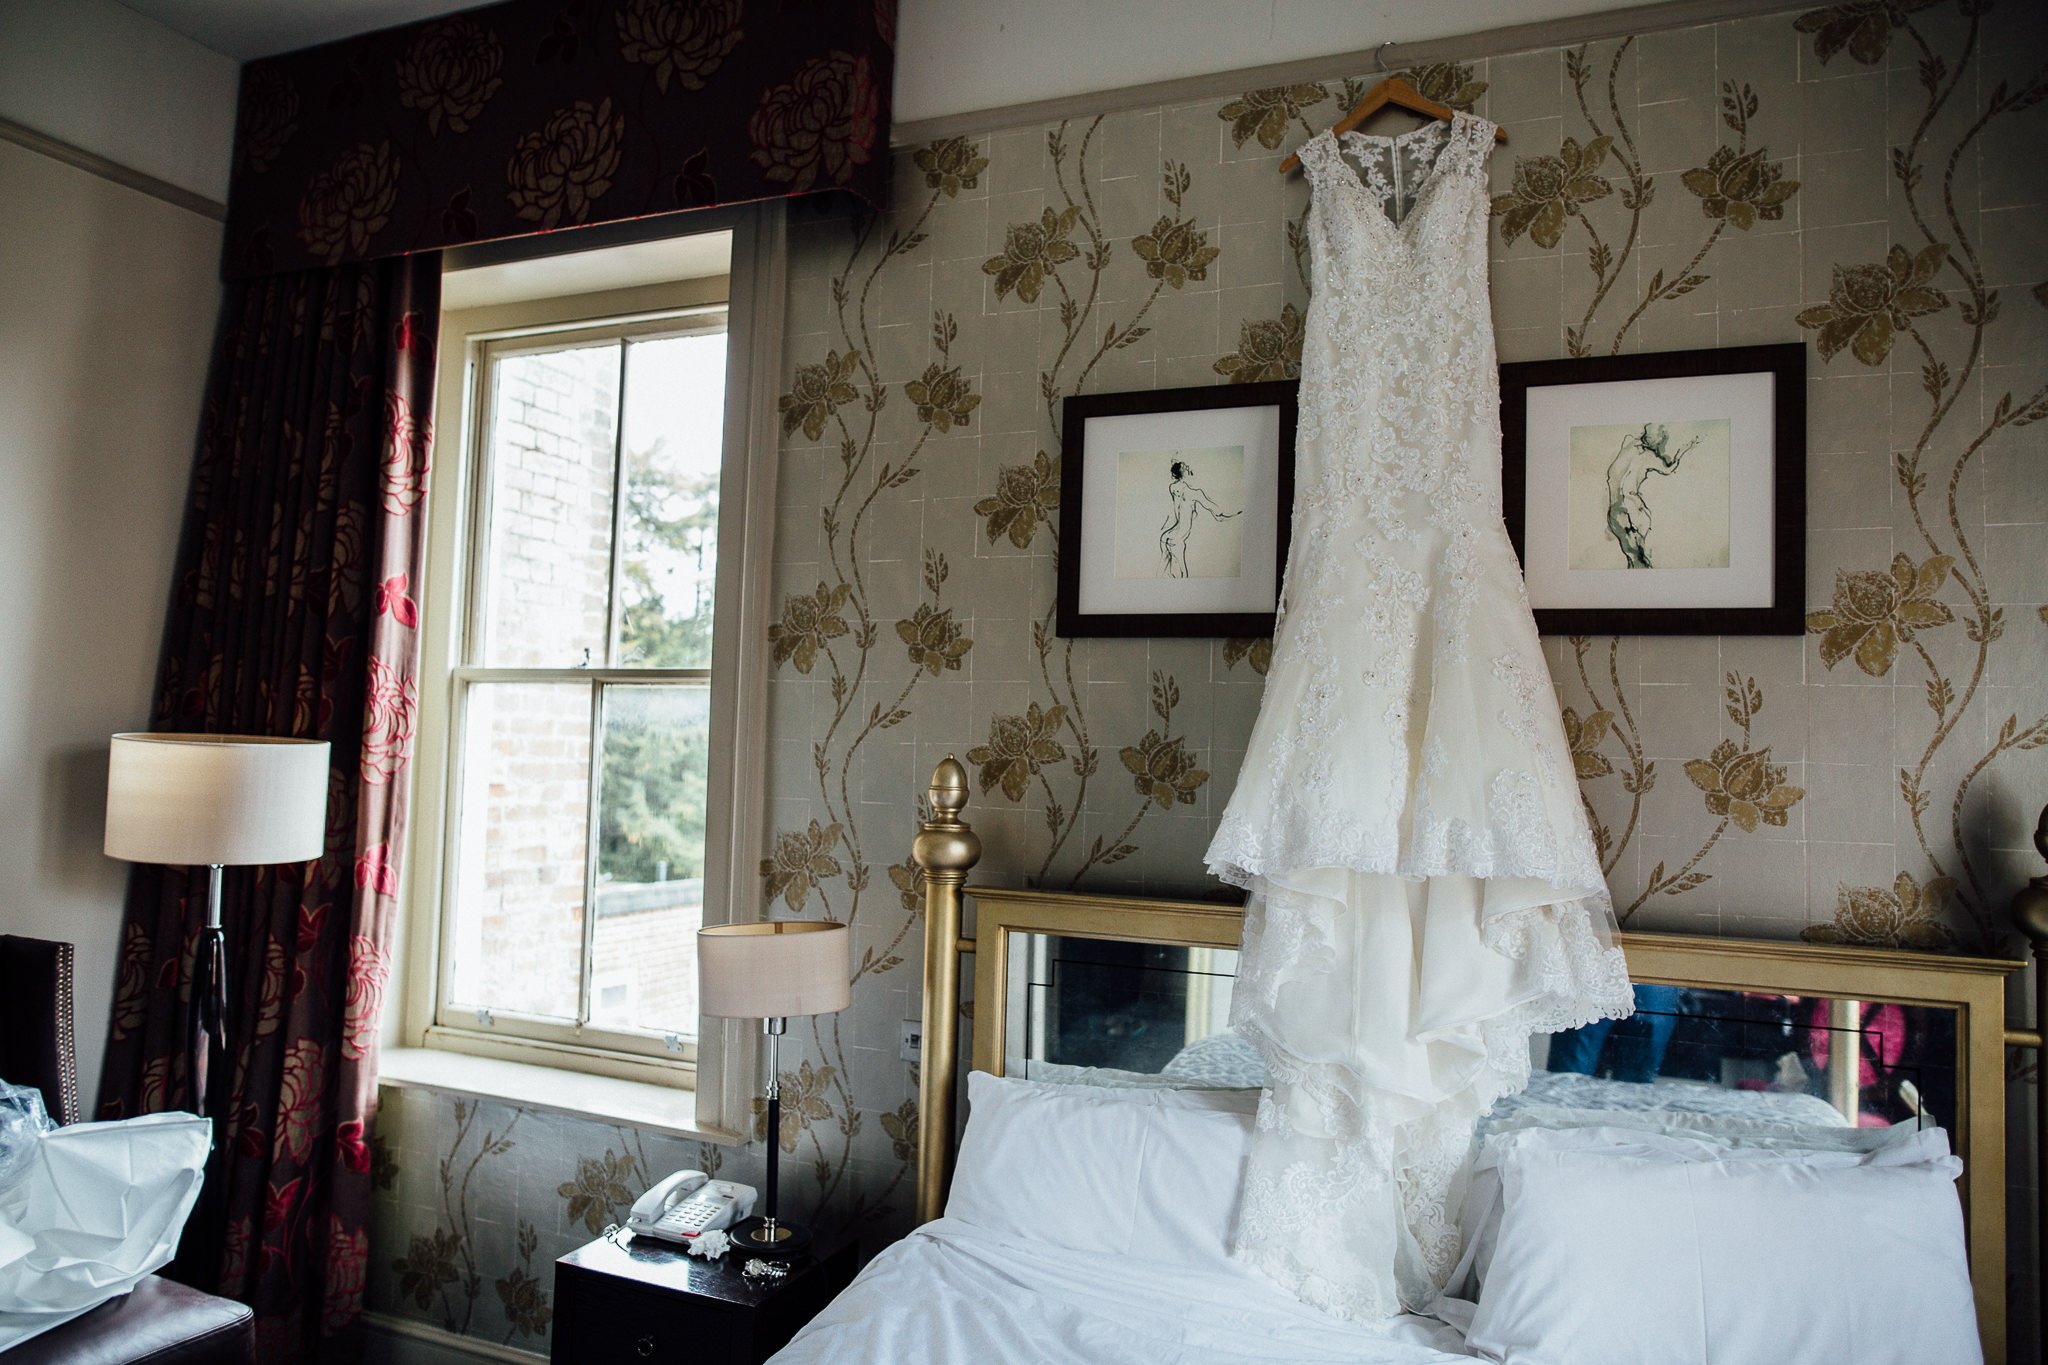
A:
583,691
591,725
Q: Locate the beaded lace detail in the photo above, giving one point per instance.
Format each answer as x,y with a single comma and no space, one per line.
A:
1407,819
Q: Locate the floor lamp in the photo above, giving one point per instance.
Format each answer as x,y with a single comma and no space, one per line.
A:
769,971
218,801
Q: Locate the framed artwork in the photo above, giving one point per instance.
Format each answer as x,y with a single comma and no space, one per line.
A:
1659,494
1174,510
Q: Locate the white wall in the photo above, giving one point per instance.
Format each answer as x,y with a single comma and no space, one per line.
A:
954,56
103,78
107,302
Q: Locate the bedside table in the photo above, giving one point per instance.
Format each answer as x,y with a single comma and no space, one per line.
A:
640,1299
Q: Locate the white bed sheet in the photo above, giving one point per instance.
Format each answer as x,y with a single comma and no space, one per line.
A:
951,1292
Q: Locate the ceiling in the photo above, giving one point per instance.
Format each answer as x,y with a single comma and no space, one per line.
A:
955,56
243,29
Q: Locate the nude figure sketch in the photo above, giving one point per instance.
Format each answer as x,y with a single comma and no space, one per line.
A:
1628,515
1189,502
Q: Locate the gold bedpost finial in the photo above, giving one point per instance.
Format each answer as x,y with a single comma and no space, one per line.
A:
948,789
946,849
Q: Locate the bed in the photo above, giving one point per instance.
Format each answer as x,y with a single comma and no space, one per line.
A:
1100,1027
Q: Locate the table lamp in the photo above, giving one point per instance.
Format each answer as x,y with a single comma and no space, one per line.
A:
221,801
769,971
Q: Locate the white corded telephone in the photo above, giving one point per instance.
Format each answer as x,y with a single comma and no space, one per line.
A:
687,1203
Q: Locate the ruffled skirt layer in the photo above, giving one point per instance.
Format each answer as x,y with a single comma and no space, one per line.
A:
1391,1012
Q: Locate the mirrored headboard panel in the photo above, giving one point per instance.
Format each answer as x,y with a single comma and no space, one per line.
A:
1149,1010
1089,1002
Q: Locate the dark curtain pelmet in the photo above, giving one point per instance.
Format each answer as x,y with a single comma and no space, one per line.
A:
533,115
293,612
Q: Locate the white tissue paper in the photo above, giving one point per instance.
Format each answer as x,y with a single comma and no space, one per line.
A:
98,1207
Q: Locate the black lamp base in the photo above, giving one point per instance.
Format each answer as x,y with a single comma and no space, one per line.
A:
757,1237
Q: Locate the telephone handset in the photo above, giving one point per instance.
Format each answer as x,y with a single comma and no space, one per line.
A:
687,1203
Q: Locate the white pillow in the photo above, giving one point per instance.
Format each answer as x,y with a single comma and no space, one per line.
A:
1618,1247
1479,1219
1149,1174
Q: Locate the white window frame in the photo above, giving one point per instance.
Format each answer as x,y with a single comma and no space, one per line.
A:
718,1066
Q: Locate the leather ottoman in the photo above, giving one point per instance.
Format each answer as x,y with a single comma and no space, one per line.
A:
161,1322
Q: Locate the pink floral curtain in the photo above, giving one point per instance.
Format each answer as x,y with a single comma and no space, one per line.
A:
294,612
534,115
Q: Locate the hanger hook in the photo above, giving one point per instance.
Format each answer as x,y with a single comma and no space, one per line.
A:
1379,56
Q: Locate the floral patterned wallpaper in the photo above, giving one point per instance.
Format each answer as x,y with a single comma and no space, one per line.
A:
1866,177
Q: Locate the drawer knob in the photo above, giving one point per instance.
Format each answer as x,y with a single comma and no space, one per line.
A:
645,1346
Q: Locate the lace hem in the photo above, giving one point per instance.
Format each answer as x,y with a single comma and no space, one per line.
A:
1352,1194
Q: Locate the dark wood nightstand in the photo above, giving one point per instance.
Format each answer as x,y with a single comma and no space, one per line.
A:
638,1299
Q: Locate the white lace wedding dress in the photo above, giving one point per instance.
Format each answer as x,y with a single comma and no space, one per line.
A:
1425,893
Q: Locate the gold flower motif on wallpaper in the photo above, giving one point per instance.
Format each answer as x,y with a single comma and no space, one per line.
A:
808,621
908,879
943,398
557,171
521,1292
1548,190
1874,612
1742,187
1026,496
1743,785
450,72
1869,304
1175,251
1267,348
901,1126
1258,652
950,166
1017,747
600,1186
684,42
1906,915
349,202
526,1301
801,860
1864,27
1447,83
934,640
803,1104
1265,114
1583,737
1163,770
1031,251
428,1266
817,393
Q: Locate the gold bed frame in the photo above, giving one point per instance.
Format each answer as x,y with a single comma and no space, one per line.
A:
946,849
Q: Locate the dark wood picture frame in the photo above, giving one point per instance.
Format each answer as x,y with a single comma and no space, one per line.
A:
1786,364
1076,413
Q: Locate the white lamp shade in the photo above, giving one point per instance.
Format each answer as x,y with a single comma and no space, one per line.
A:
231,799
774,969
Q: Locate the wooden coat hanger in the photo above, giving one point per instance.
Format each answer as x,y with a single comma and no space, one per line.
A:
1394,91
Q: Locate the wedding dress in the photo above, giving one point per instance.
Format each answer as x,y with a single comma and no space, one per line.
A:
1425,893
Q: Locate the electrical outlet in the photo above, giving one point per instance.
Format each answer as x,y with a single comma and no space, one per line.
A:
913,1039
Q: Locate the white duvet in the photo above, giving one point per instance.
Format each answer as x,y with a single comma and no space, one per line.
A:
952,1292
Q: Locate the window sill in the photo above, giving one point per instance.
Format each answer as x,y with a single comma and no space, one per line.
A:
601,1099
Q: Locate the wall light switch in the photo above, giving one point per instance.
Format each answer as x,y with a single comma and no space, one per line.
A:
913,1039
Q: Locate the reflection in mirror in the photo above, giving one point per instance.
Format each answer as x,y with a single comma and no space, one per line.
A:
1150,1014
1803,1059
1129,1007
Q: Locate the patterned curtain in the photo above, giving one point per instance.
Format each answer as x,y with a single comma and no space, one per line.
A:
292,613
533,115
